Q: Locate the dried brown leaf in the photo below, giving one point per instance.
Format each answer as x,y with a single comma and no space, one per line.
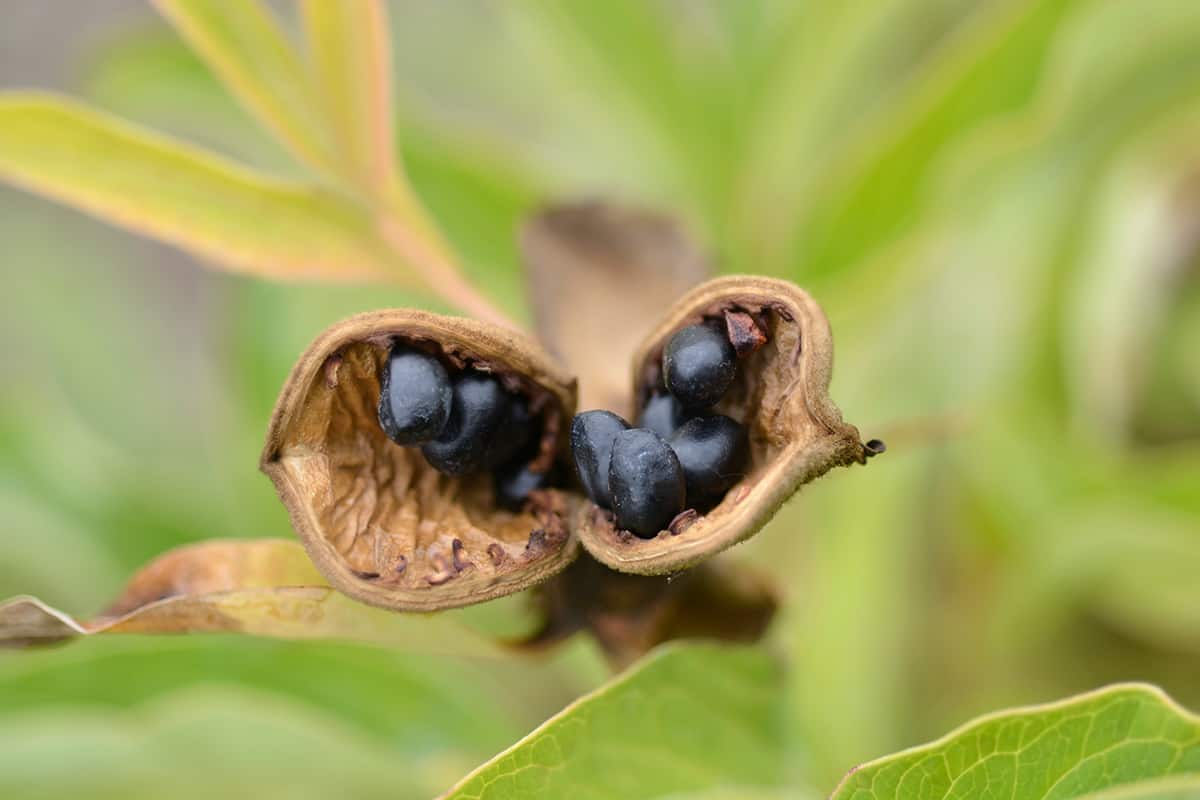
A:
265,587
600,275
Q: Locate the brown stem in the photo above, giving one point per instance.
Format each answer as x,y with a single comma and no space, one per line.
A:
441,273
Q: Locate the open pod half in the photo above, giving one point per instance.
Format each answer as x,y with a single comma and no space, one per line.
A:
378,522
780,393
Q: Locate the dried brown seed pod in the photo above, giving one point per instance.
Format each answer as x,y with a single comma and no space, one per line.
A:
780,394
381,524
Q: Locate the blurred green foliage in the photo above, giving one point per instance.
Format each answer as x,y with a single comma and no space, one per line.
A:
997,203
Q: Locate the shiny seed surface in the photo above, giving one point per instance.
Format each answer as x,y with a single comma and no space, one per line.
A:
480,406
514,483
713,451
698,365
511,437
592,435
662,414
646,481
415,396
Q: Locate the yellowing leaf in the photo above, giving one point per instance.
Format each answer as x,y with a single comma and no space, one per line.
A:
685,719
1115,737
243,44
228,214
349,49
264,587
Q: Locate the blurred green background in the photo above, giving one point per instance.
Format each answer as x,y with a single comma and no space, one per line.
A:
997,203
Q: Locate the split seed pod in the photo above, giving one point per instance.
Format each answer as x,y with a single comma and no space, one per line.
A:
780,394
381,524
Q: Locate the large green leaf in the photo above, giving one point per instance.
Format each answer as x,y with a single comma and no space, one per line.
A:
416,701
111,709
1113,737
202,743
686,718
154,185
877,186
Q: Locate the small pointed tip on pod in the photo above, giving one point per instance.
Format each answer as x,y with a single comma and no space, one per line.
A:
748,361
394,446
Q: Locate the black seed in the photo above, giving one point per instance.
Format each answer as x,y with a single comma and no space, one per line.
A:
712,451
515,481
479,408
698,365
647,482
511,436
592,434
414,396
662,414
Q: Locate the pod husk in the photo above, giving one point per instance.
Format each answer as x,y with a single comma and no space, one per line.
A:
781,393
379,523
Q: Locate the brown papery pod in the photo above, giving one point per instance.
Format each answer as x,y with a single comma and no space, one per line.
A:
378,522
781,394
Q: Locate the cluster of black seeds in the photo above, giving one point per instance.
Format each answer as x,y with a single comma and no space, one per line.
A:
682,455
464,424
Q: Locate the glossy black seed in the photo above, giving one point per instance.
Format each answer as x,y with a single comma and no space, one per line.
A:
662,414
646,481
698,365
712,451
414,396
592,434
479,408
515,481
512,435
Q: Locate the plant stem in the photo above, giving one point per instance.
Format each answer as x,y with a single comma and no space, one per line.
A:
433,262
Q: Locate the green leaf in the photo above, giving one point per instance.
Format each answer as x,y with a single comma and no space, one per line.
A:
244,45
228,214
1187,788
1114,737
348,47
877,187
417,701
132,705
686,718
207,742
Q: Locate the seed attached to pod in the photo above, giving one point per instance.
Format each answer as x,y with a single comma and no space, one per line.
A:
712,451
777,389
512,435
698,365
647,482
414,396
592,435
479,408
514,482
378,520
662,414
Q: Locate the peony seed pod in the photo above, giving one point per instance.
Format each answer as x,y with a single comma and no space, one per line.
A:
379,522
780,394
